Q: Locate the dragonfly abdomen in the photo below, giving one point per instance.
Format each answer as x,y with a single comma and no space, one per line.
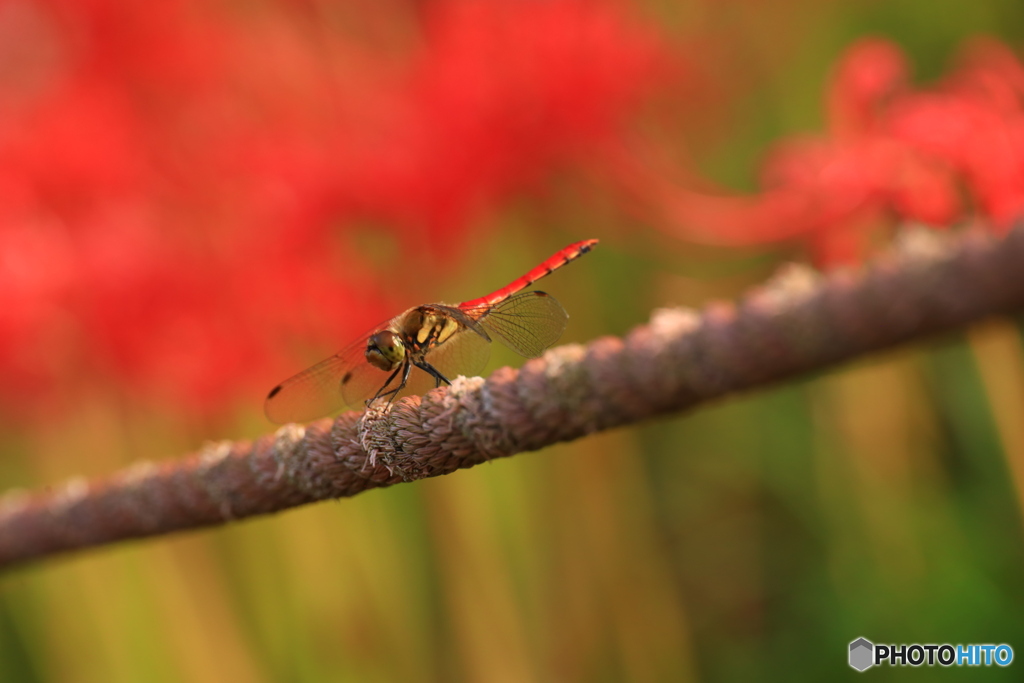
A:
567,255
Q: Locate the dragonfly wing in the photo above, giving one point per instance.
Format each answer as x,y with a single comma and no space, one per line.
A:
364,381
312,393
465,353
344,379
528,323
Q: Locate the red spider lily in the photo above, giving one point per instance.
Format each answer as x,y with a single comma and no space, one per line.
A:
173,181
975,125
892,154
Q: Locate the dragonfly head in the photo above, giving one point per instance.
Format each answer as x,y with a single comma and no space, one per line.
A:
385,350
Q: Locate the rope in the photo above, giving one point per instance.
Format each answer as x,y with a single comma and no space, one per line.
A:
798,322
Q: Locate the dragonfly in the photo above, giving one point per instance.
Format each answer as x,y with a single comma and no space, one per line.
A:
438,341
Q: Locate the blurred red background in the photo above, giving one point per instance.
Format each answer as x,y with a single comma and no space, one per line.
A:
187,190
181,186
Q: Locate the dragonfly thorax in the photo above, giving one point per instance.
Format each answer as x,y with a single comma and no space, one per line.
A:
427,327
418,331
385,350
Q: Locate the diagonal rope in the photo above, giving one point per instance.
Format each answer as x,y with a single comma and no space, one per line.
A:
799,322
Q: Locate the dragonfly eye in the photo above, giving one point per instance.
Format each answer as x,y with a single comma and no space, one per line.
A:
385,350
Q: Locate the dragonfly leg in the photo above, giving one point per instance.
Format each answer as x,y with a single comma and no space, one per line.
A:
432,371
405,368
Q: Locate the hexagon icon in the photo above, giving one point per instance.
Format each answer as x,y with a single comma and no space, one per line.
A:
861,654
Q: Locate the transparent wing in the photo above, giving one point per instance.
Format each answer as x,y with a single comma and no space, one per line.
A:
308,395
466,353
314,392
344,379
527,323
362,381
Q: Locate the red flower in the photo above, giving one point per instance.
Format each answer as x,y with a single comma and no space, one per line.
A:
892,154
